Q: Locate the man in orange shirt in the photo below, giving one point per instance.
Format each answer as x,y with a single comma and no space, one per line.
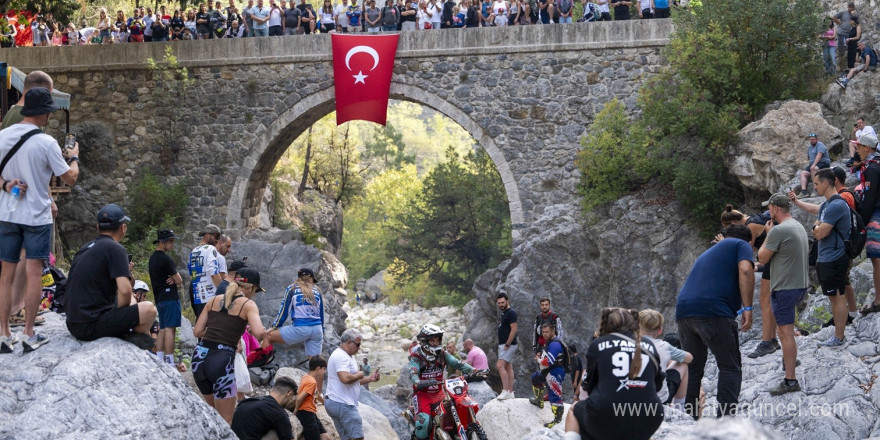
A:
306,411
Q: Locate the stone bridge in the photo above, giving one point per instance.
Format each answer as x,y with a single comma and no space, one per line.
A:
524,93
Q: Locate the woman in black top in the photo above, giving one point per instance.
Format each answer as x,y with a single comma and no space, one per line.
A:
622,378
176,25
203,23
220,326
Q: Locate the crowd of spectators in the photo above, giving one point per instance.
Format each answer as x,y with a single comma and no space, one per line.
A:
277,18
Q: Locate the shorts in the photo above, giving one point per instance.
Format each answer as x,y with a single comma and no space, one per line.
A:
606,423
169,314
862,66
14,237
659,13
275,31
820,165
213,368
311,335
312,427
783,303
673,381
833,275
327,27
116,323
872,245
506,355
346,418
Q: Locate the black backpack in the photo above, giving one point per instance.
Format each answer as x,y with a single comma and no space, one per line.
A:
856,199
858,234
565,357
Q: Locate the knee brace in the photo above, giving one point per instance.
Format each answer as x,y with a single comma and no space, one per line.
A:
423,421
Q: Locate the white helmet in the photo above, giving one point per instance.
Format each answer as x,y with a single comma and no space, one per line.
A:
140,285
427,332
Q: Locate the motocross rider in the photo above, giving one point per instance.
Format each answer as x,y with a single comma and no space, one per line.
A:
427,363
550,374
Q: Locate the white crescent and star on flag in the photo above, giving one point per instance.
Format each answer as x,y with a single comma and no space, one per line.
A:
360,77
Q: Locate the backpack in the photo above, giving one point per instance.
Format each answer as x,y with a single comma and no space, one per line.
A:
564,360
58,297
858,234
856,199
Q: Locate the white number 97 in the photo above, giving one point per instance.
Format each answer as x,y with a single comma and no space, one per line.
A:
621,361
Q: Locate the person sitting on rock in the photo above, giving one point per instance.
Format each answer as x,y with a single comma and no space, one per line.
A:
140,295
622,369
868,62
257,416
304,304
100,301
817,156
673,361
427,363
550,375
220,327
309,391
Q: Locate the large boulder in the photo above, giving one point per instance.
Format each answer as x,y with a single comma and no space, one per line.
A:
635,253
481,392
773,148
278,255
513,418
389,410
102,389
859,100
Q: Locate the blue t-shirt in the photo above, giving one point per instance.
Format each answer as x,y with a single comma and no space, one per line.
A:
869,51
712,288
834,212
261,14
661,4
814,150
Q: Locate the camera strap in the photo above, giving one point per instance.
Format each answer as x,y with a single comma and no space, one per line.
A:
17,147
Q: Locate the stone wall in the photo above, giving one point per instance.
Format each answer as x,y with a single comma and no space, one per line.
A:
526,94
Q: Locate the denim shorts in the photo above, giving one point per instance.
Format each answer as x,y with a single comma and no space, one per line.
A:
169,313
311,335
35,240
784,302
346,418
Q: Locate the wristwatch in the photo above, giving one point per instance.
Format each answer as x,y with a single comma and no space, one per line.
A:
73,159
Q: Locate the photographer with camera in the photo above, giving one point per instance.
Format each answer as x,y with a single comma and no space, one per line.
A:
28,157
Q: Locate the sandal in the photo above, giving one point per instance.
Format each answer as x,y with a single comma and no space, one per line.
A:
18,319
869,308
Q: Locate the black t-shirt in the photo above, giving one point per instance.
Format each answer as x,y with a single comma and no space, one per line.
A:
291,17
177,24
256,416
507,317
91,283
405,18
161,267
304,11
202,28
159,30
621,12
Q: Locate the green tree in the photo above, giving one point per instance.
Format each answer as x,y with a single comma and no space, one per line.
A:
152,205
387,148
454,232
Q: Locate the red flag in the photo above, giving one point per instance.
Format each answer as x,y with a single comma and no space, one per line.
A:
362,66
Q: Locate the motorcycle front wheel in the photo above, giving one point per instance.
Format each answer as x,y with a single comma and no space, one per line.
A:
440,434
475,432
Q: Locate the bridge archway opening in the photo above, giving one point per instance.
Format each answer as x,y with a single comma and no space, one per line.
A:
267,149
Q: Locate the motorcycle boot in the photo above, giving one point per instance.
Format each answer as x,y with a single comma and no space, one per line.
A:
557,415
538,400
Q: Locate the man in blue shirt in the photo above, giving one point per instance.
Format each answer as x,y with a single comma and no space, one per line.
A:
260,16
550,374
817,159
869,63
832,264
661,8
721,285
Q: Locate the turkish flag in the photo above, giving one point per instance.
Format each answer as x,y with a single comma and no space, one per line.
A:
362,66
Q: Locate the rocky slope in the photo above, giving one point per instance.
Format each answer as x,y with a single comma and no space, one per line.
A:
103,389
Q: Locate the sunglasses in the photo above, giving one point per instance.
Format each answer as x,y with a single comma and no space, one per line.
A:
357,344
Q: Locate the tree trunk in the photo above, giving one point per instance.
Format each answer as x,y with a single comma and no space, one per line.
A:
305,176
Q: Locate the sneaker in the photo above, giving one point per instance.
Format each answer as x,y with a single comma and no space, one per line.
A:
776,343
140,340
34,342
764,348
784,387
841,83
504,395
849,320
832,342
869,308
7,342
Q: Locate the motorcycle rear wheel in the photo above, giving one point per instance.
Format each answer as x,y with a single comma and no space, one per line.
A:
475,432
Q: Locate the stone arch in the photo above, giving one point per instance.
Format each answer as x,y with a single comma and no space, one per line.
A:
267,148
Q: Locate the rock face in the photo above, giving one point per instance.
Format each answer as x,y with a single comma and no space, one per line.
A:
103,389
773,148
278,255
635,254
514,418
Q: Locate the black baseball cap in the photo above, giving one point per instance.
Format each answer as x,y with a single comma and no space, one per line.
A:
305,271
111,216
164,235
38,101
236,265
249,275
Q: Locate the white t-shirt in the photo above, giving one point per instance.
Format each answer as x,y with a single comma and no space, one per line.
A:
203,263
86,33
437,10
221,263
667,353
33,164
275,17
499,8
422,18
603,6
336,390
644,4
148,24
341,18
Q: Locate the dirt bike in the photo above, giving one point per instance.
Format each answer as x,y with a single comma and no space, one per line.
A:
455,417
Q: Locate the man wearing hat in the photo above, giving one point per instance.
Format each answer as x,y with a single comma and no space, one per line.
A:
786,245
26,219
870,211
817,158
165,281
99,287
204,268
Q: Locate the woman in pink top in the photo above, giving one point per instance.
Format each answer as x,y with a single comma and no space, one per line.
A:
829,51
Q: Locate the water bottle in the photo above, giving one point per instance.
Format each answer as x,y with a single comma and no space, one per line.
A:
16,197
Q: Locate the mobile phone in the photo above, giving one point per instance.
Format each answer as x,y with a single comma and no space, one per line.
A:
129,258
70,141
